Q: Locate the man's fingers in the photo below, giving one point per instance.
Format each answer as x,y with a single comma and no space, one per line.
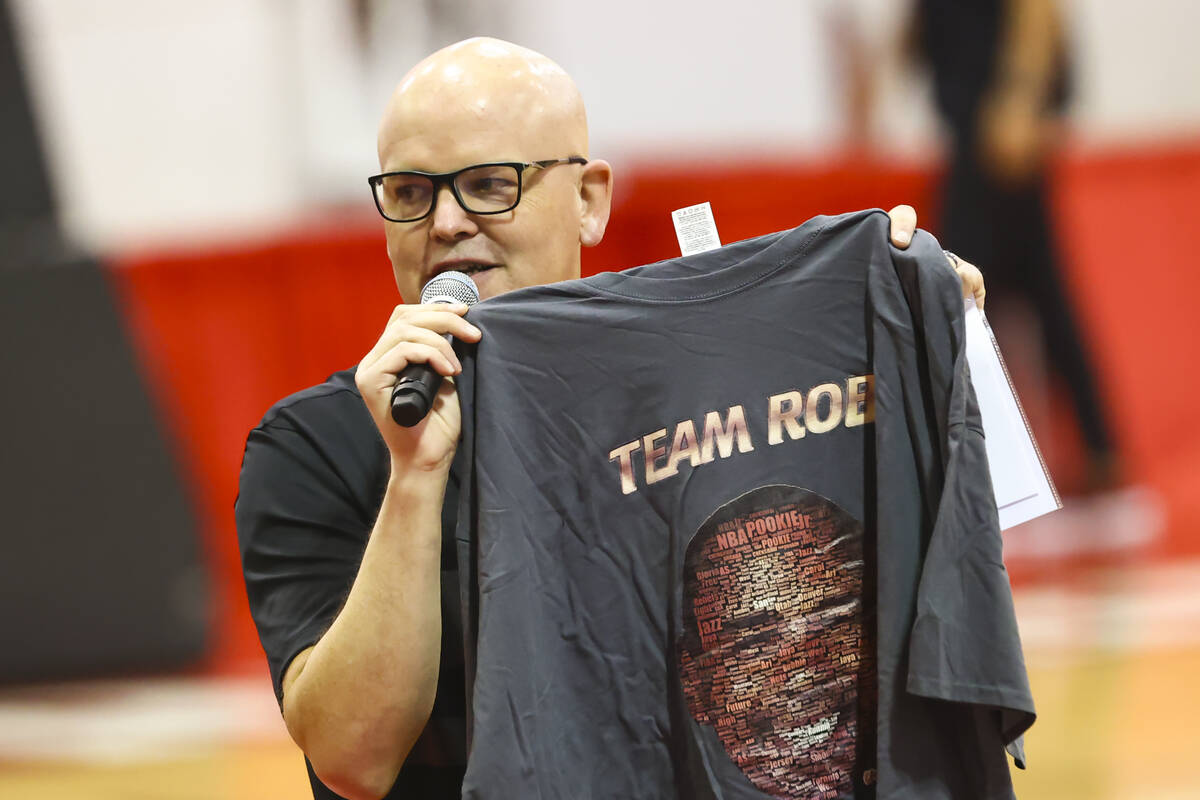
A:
437,341
382,356
433,319
438,320
904,225
407,311
971,277
404,309
402,354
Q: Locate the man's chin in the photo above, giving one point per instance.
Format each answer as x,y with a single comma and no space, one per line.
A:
492,282
816,771
784,756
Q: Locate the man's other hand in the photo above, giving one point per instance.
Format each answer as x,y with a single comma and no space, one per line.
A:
904,224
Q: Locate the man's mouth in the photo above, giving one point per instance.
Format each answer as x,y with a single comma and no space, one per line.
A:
468,268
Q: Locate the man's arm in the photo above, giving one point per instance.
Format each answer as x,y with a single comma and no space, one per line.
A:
357,700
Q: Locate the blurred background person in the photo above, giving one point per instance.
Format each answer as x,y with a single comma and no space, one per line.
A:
1002,79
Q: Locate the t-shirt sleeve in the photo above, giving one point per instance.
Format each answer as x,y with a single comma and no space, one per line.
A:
310,487
965,645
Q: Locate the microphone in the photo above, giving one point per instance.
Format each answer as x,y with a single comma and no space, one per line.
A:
417,384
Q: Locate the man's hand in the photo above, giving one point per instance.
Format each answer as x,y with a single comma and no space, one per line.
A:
971,277
414,334
904,225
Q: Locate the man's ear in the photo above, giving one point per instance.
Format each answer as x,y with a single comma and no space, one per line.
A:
595,196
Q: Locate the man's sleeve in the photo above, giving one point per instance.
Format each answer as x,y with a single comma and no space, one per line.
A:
306,502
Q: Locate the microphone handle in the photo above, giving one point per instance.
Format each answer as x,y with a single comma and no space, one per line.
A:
412,396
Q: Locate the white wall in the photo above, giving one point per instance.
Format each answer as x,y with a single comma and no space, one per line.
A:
179,121
1138,69
161,117
672,76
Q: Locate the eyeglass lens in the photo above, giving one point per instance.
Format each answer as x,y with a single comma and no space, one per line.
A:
482,190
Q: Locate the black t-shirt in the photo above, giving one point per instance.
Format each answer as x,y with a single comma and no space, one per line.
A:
315,471
684,486
313,477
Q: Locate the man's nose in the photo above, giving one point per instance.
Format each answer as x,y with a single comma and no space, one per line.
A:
450,221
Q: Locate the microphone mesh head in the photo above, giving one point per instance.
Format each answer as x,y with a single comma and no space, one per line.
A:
450,287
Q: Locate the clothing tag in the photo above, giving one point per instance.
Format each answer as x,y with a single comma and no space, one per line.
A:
696,229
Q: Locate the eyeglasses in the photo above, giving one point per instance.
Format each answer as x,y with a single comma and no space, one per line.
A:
491,188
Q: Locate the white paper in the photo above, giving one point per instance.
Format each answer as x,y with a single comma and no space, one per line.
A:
695,229
1021,483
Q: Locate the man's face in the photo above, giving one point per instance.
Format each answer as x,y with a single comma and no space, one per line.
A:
537,242
778,668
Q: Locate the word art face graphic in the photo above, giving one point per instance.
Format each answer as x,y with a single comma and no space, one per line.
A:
773,655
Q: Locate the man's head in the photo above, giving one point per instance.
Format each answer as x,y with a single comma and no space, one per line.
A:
484,100
771,656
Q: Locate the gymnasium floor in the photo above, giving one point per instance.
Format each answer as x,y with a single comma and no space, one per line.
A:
1113,654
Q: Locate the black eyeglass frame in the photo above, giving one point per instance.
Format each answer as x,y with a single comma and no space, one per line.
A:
440,179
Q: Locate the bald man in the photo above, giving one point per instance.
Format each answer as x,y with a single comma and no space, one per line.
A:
483,151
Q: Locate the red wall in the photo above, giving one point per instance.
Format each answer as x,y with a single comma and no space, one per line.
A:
225,333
